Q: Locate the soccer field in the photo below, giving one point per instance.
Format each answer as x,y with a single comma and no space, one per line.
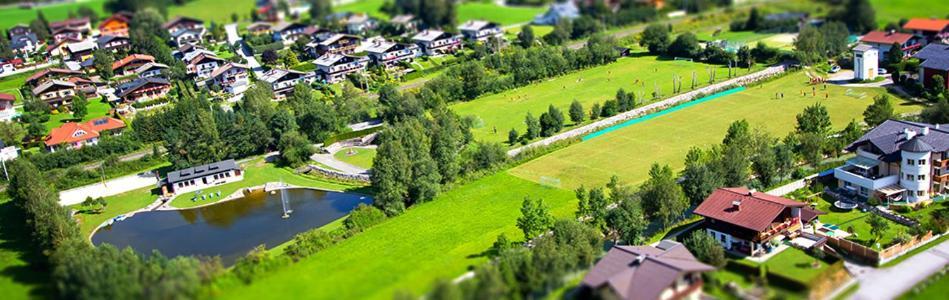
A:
507,110
666,139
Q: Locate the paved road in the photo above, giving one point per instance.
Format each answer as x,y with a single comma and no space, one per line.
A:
27,69
233,38
111,187
889,283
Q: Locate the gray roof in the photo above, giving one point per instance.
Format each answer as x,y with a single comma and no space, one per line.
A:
938,63
20,41
557,11
863,48
133,85
201,171
888,137
934,50
916,145
643,272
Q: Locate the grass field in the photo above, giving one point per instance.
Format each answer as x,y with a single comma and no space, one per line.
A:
13,15
218,11
894,10
361,157
630,151
11,85
96,108
795,263
856,219
507,110
936,287
504,15
539,31
19,279
438,239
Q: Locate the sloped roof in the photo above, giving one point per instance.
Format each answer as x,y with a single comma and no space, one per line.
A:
105,123
69,23
643,272
916,145
85,45
7,97
891,134
276,74
51,83
937,63
886,37
402,19
926,24
43,73
131,86
69,133
181,19
225,67
475,25
428,35
933,50
201,171
149,66
131,58
756,210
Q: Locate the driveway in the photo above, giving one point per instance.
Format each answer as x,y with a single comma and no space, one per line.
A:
233,38
843,78
110,187
889,283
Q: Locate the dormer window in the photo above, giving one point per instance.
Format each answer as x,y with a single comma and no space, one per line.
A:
78,133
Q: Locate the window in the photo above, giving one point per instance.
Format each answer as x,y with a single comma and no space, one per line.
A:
909,176
909,161
921,177
921,162
919,193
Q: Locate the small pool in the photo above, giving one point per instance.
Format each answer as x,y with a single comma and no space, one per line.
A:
229,229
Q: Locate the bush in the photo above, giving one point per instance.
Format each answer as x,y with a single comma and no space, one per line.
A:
153,102
308,243
258,261
706,248
363,217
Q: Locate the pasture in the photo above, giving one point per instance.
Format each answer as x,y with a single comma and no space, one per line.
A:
12,15
894,10
641,75
218,11
504,15
628,152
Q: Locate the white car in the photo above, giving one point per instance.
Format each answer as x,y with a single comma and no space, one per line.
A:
835,69
881,71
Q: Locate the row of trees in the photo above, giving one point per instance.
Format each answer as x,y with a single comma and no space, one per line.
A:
80,270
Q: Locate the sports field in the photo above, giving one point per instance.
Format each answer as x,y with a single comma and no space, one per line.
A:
628,152
438,239
506,110
12,15
894,10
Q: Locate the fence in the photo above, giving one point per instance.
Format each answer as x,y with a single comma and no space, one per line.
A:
364,178
793,186
873,256
688,96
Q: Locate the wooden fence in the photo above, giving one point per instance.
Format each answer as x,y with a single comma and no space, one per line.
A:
873,256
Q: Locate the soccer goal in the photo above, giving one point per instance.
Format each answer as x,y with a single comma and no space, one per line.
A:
683,58
550,181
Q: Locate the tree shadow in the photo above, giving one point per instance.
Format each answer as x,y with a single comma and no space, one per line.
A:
15,238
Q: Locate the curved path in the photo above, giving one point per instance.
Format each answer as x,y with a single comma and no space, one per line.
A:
329,159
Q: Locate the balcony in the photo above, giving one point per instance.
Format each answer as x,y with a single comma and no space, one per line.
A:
862,178
790,225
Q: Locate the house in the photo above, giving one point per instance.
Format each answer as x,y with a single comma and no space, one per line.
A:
437,42
260,28
390,54
10,65
317,33
58,48
746,221
359,23
404,23
23,40
8,153
48,74
665,271
185,30
335,44
929,30
7,112
333,68
288,32
200,177
657,4
935,61
189,51
283,81
81,51
268,11
202,64
127,65
566,10
117,24
74,135
76,29
151,69
481,31
143,89
114,43
233,78
884,40
898,161
865,60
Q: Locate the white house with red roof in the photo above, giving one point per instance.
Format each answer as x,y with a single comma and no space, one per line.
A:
884,40
7,112
746,221
929,30
74,135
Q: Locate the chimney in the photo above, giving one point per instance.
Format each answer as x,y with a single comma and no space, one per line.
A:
751,192
924,131
639,259
909,133
736,204
892,31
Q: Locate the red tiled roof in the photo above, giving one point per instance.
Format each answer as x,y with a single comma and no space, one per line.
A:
884,37
7,97
756,210
129,59
927,24
42,73
67,133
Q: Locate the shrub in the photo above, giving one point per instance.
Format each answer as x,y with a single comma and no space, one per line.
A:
308,243
255,263
363,217
706,248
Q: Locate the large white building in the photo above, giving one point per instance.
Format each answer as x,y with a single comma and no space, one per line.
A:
202,177
865,59
898,161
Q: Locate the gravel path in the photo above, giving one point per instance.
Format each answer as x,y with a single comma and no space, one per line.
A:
890,283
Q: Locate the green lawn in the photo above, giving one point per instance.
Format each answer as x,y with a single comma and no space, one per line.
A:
856,219
539,31
370,7
507,110
361,157
937,287
219,11
438,239
11,85
21,273
13,15
795,263
666,139
504,15
96,108
894,10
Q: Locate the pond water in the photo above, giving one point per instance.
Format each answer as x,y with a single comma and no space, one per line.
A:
229,229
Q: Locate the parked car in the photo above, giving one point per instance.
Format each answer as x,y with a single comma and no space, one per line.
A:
835,69
881,71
